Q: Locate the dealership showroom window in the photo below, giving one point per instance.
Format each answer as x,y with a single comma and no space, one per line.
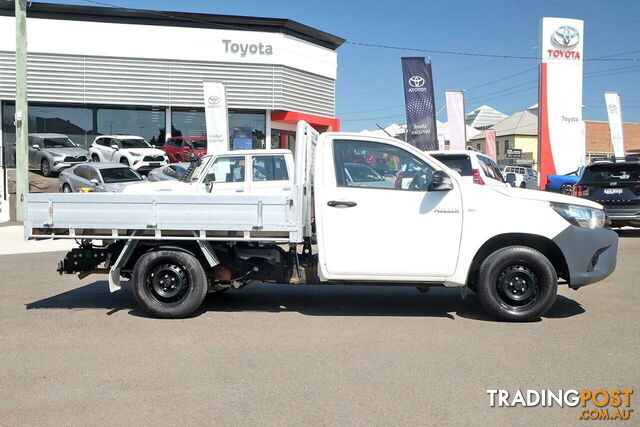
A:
82,123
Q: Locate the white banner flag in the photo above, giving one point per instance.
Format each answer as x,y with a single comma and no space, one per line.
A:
216,117
614,111
455,118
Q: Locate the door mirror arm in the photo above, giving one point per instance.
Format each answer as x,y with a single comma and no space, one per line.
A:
441,181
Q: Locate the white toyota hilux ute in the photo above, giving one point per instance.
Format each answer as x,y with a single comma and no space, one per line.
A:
342,222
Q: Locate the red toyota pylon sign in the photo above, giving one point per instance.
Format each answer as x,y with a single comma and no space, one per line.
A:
560,127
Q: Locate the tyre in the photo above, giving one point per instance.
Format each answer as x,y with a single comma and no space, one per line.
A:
66,188
566,189
169,283
124,161
523,185
45,168
517,283
95,157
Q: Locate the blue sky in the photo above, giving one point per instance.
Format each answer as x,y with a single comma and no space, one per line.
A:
369,86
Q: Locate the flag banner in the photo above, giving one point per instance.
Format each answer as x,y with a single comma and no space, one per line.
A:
216,117
560,127
614,111
419,104
4,196
490,143
455,117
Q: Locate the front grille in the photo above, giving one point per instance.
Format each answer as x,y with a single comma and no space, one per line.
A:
153,158
623,202
71,159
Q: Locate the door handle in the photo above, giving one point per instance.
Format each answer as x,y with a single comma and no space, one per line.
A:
286,188
239,190
336,203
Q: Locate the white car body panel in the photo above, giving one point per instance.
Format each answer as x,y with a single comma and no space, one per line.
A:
136,162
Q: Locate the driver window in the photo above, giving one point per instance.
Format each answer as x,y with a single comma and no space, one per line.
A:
380,166
226,169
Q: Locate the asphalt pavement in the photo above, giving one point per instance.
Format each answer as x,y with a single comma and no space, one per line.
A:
72,353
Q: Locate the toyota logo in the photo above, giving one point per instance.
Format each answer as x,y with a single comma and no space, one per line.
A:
612,108
214,100
416,81
565,37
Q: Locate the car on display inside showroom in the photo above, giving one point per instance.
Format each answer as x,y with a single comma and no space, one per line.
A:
180,148
270,172
171,172
53,152
616,186
97,177
473,167
133,151
512,247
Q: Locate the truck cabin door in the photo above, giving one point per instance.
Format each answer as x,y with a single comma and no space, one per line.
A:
381,214
226,175
270,174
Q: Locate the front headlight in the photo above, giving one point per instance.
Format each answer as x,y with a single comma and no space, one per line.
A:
133,153
581,216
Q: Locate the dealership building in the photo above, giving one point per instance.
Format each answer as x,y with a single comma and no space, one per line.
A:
100,70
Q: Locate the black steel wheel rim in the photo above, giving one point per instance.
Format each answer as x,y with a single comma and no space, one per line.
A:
167,282
518,287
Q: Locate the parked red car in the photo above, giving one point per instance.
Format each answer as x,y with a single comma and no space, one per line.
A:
179,148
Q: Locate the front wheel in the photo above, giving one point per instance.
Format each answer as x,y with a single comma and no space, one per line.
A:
45,167
517,283
169,283
124,161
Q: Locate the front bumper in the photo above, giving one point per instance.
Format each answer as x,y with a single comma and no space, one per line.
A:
143,166
590,254
623,213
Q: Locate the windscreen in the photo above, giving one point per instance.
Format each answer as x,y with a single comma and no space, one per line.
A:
612,172
115,175
198,144
459,163
58,143
135,143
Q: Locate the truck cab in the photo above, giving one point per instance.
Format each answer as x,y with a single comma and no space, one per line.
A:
238,171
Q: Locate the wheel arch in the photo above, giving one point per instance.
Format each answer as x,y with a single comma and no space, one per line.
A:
146,246
542,244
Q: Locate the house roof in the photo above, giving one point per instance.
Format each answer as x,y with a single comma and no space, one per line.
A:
520,123
176,19
484,116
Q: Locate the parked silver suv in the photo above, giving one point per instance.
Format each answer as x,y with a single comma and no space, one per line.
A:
53,152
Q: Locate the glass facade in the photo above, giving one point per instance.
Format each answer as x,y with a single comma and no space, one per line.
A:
246,128
83,123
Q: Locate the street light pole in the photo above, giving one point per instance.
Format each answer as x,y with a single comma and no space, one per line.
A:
21,117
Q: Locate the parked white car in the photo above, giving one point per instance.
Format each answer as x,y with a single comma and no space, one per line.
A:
270,172
473,167
525,177
133,151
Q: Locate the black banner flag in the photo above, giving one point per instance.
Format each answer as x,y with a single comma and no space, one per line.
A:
419,103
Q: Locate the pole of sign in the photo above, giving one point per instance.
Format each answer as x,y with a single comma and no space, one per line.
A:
21,117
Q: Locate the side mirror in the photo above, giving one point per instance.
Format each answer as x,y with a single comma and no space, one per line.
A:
115,147
35,147
194,158
94,182
209,186
511,179
441,182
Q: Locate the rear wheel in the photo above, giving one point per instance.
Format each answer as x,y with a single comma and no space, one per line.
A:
566,189
45,167
517,283
66,188
523,185
169,283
